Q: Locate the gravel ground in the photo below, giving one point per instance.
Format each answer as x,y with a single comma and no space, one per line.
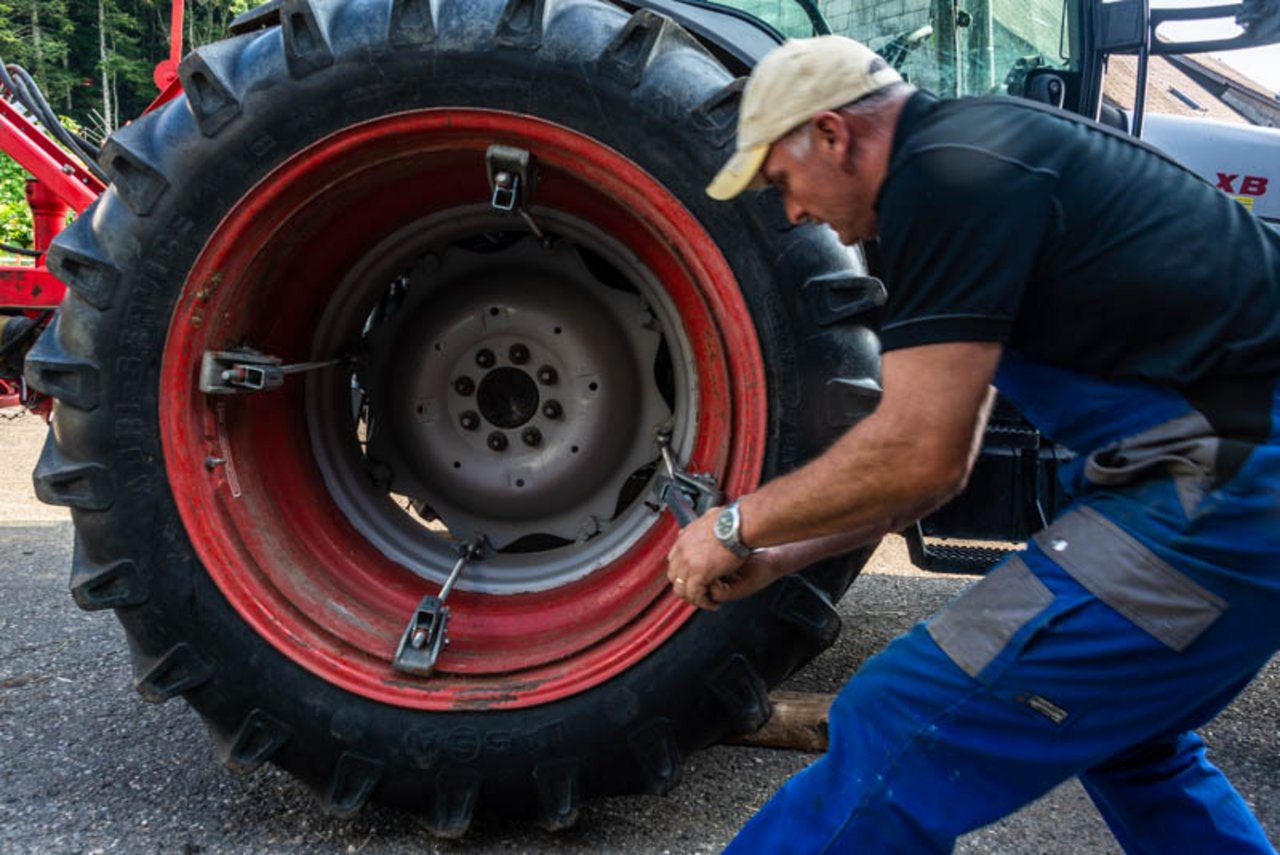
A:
87,767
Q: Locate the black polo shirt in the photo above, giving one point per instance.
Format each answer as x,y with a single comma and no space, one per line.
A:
1001,220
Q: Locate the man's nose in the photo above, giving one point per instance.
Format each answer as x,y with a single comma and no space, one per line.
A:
795,213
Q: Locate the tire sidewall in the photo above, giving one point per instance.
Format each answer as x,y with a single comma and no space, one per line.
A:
208,176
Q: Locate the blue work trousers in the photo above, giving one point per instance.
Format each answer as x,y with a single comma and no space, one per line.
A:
1130,621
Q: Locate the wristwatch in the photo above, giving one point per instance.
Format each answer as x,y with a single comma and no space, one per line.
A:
728,530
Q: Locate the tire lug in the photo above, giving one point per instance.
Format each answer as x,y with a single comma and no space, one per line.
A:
519,354
497,441
470,420
531,436
485,358
547,375
464,386
552,409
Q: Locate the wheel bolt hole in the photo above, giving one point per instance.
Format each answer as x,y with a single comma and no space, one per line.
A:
547,375
552,409
497,441
464,386
470,420
531,437
519,354
485,358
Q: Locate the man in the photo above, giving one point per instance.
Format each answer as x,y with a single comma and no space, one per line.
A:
1132,312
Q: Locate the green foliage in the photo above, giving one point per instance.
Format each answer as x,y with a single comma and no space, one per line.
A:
15,216
73,47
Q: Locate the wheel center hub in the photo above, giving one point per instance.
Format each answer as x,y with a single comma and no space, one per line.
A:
507,398
512,392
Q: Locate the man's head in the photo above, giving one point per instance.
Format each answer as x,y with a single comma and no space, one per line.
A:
814,123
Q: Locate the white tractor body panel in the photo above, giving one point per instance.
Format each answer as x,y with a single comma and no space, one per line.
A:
1241,160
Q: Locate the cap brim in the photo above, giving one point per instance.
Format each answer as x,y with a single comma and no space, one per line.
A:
742,172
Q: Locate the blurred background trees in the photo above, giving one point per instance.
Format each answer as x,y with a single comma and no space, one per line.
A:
93,59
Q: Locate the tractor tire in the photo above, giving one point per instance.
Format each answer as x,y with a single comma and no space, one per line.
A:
320,194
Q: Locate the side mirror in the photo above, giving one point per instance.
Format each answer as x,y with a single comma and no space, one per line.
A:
1256,22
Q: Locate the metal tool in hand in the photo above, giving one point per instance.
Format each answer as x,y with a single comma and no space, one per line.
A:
688,496
427,634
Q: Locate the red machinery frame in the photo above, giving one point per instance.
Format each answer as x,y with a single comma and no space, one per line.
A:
59,183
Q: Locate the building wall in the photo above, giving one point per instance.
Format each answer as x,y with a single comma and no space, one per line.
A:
867,20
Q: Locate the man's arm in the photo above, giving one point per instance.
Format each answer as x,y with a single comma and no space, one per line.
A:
904,460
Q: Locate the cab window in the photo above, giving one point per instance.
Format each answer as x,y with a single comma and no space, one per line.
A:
951,47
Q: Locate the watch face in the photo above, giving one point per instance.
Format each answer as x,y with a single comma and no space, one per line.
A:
724,525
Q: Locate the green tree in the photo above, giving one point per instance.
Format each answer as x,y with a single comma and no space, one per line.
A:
94,60
15,216
35,34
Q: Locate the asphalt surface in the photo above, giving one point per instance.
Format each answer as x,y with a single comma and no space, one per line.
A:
87,767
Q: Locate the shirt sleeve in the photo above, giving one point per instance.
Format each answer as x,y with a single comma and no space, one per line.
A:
961,230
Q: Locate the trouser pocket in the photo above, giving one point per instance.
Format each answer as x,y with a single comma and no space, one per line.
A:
1122,572
1010,603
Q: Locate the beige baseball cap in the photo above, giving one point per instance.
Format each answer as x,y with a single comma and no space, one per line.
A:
791,84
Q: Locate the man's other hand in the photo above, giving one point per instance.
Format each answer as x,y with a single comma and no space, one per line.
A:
698,562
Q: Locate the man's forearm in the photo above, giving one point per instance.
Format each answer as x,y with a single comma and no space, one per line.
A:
874,480
790,557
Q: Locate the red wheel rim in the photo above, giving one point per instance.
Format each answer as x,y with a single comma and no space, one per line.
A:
263,523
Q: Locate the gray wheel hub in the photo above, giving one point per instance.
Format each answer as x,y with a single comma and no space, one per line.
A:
512,393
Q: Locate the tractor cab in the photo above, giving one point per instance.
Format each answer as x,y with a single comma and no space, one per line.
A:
1145,67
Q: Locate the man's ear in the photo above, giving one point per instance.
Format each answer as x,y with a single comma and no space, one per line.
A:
832,134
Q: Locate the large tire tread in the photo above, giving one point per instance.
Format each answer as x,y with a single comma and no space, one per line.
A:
114,585
105,461
255,742
178,670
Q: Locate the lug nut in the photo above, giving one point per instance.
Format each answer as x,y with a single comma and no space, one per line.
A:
519,354
531,436
464,386
552,409
485,358
470,420
498,441
547,375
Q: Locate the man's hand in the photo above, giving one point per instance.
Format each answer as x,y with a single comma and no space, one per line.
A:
758,572
698,562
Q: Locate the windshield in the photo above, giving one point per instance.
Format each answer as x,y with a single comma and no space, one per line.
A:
951,47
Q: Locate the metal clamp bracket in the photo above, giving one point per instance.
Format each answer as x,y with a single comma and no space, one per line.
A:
427,634
510,175
225,372
688,495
